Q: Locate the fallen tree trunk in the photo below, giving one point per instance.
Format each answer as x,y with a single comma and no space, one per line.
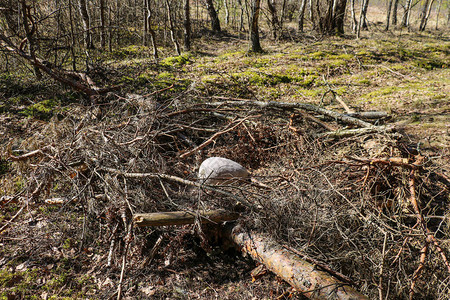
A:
183,217
302,275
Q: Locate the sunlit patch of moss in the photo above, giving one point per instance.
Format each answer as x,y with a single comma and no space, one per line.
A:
232,54
42,110
129,52
317,55
177,61
165,75
308,92
210,78
382,92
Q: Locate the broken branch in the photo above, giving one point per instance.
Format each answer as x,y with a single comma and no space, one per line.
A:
183,217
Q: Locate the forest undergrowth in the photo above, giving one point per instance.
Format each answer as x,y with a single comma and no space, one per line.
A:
370,203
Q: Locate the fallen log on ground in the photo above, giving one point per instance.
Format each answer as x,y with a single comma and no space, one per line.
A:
183,217
300,274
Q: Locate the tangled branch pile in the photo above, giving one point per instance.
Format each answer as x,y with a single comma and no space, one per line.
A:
360,201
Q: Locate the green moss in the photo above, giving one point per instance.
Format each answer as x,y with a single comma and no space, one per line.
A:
176,61
165,76
129,52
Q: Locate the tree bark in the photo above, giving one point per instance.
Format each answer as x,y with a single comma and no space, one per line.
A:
85,18
300,274
388,15
406,15
172,28
183,217
215,23
275,24
438,9
102,24
338,16
255,45
425,14
30,33
187,25
354,21
149,20
395,12
301,16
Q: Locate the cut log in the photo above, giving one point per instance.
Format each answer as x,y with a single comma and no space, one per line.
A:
300,274
183,217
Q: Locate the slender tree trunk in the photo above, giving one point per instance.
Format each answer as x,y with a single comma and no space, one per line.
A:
338,16
30,33
437,13
145,25
364,14
405,19
149,21
215,23
274,18
354,21
82,5
388,15
172,28
110,29
241,16
255,45
301,16
227,12
72,38
394,12
311,13
362,17
426,14
187,25
283,14
102,24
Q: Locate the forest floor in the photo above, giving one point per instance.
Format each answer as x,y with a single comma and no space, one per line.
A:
56,252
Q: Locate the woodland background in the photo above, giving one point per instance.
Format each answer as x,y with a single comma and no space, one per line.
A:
107,108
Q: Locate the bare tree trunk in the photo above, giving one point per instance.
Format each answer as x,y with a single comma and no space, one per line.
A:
187,25
354,21
301,16
362,17
241,16
215,23
426,14
172,28
29,33
102,24
274,19
145,28
313,4
227,12
394,12
338,16
82,5
388,15
72,38
149,21
363,22
406,15
255,45
437,14
283,14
